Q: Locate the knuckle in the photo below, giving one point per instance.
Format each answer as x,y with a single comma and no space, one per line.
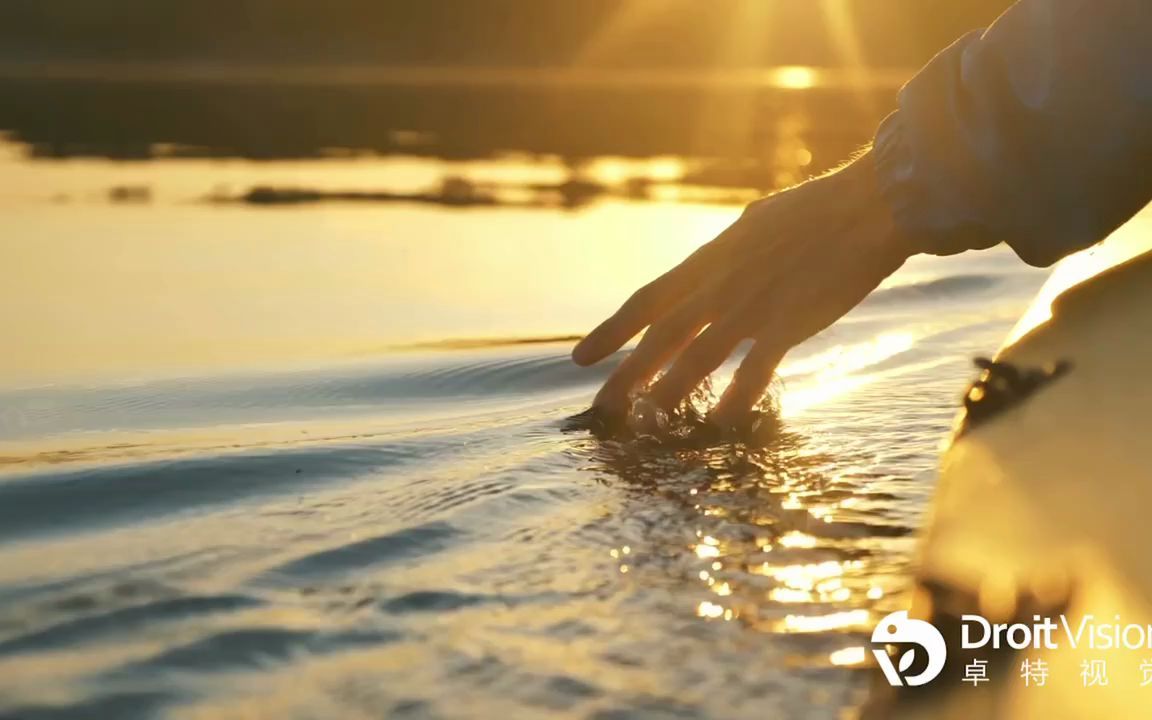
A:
648,297
639,299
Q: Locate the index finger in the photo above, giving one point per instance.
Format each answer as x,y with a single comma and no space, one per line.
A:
647,305
637,313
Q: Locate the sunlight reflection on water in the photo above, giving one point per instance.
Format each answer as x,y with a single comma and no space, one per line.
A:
210,443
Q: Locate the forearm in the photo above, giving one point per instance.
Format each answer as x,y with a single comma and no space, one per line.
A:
1037,132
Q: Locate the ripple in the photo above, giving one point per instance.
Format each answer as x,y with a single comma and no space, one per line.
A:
251,647
105,625
415,542
423,601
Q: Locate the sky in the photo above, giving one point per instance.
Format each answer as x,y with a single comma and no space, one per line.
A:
500,33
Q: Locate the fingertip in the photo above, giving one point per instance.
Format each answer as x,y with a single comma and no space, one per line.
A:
584,353
728,413
598,344
749,385
612,399
664,394
579,357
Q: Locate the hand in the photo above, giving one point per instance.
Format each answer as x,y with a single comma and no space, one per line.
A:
790,266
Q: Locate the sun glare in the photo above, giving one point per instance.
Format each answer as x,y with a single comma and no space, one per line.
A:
838,371
841,28
848,656
618,31
825,623
793,77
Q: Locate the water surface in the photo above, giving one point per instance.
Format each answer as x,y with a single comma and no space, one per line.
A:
255,463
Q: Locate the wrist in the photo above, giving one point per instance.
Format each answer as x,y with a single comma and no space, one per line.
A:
861,191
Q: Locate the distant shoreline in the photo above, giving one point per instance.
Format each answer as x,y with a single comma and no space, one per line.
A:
788,77
752,119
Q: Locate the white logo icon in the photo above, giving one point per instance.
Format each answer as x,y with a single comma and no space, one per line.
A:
898,628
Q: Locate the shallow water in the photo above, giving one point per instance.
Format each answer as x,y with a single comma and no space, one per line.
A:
247,469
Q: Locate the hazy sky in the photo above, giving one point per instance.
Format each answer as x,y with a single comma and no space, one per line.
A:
490,32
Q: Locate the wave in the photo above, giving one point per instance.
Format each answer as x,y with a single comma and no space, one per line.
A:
133,490
462,381
944,288
391,387
486,343
107,624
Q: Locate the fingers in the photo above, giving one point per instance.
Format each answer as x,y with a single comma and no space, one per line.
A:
709,351
706,353
653,300
749,383
663,340
787,269
632,317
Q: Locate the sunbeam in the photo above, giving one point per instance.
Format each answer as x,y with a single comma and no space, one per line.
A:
619,32
841,27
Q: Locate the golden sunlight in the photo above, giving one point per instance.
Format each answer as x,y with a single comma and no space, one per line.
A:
848,619
841,27
848,656
793,77
833,371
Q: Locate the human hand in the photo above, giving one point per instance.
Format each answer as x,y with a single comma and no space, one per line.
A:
790,266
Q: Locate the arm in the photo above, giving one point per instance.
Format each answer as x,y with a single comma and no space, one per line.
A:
1037,132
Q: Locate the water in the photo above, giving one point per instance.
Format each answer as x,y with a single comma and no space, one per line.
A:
312,461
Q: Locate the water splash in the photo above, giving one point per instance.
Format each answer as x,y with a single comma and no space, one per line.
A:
689,424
